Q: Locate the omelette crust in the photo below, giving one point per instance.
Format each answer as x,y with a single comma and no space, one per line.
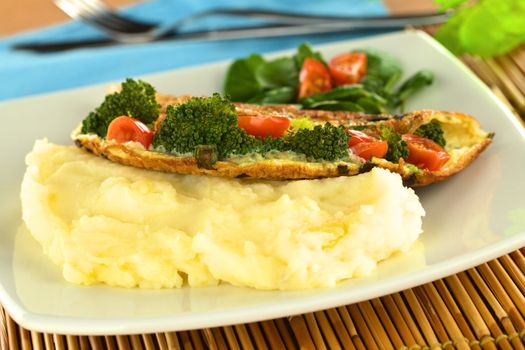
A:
468,141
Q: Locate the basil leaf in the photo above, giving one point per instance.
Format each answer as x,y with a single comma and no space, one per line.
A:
446,4
485,28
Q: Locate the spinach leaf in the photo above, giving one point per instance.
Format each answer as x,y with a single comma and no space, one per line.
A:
413,84
383,71
241,83
333,105
343,92
255,80
355,94
304,51
371,104
285,94
277,73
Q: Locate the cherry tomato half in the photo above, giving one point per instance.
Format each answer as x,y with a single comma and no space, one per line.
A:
367,150
123,129
264,126
348,68
313,78
357,136
366,146
425,153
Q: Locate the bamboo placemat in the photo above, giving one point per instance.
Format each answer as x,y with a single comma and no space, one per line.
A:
482,308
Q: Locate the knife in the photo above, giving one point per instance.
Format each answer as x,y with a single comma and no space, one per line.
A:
271,30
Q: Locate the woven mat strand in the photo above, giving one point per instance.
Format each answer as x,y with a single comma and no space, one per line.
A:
482,308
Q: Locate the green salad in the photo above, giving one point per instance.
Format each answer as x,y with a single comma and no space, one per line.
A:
363,80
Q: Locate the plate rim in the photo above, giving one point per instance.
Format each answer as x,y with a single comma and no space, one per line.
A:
68,325
203,319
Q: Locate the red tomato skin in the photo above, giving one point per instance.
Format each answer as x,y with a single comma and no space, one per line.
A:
348,68
425,153
314,78
273,126
365,146
357,136
367,150
123,129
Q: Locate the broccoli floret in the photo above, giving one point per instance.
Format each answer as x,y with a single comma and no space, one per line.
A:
327,142
397,148
203,121
269,143
94,123
237,141
136,99
208,129
432,131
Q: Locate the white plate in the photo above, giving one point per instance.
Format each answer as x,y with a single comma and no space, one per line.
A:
471,218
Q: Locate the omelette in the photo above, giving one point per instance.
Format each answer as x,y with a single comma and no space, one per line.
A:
464,139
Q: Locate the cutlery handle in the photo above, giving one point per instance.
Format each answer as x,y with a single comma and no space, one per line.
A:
52,47
272,30
288,18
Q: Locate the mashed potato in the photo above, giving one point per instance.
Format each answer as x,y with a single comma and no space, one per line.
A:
127,227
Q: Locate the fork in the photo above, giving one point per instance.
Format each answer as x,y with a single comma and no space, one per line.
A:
127,30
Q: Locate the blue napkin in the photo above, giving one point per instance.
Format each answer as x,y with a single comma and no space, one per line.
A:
25,73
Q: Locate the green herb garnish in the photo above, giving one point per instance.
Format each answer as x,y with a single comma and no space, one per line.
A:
484,27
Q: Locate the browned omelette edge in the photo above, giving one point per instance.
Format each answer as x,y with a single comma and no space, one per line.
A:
272,169
282,169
